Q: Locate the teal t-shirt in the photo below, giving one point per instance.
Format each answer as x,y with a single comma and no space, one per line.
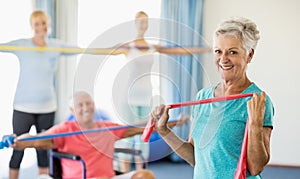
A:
218,131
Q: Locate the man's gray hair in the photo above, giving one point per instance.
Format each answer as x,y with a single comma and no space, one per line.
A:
75,95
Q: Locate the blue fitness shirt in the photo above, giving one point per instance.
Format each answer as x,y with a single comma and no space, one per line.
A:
35,91
218,131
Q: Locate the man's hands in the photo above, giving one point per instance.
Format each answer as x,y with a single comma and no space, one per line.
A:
18,145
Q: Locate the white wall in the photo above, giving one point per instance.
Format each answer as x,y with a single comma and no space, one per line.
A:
66,30
275,67
14,25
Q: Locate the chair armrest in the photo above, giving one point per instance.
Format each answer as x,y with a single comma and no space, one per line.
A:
128,151
55,156
59,155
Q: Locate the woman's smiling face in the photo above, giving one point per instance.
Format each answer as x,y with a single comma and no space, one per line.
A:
40,25
230,57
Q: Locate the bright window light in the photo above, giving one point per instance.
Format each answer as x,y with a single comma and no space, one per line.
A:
14,18
96,18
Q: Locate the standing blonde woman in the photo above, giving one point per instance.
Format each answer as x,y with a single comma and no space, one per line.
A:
35,98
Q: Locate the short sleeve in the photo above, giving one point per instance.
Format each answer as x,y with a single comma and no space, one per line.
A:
269,113
119,133
57,129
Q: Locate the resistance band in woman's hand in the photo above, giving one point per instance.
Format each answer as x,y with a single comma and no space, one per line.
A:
240,172
241,169
151,123
58,49
78,50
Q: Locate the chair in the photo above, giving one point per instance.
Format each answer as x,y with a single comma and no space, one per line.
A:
55,165
56,169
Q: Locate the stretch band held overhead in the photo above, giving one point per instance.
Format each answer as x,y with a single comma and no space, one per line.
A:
151,123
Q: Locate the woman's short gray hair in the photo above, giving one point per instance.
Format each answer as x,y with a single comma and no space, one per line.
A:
243,29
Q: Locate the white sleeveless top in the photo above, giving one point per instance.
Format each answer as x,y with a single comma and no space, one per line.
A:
139,65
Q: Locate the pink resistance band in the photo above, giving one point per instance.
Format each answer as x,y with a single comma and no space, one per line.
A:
240,172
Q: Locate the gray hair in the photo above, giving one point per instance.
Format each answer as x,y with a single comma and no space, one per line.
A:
73,98
241,28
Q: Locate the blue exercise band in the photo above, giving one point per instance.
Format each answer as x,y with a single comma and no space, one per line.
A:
8,140
52,136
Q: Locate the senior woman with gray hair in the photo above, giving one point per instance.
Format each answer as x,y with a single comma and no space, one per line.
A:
217,129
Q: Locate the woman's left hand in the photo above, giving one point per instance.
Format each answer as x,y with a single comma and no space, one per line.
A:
256,109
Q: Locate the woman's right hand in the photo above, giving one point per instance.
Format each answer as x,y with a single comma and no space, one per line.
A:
161,116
